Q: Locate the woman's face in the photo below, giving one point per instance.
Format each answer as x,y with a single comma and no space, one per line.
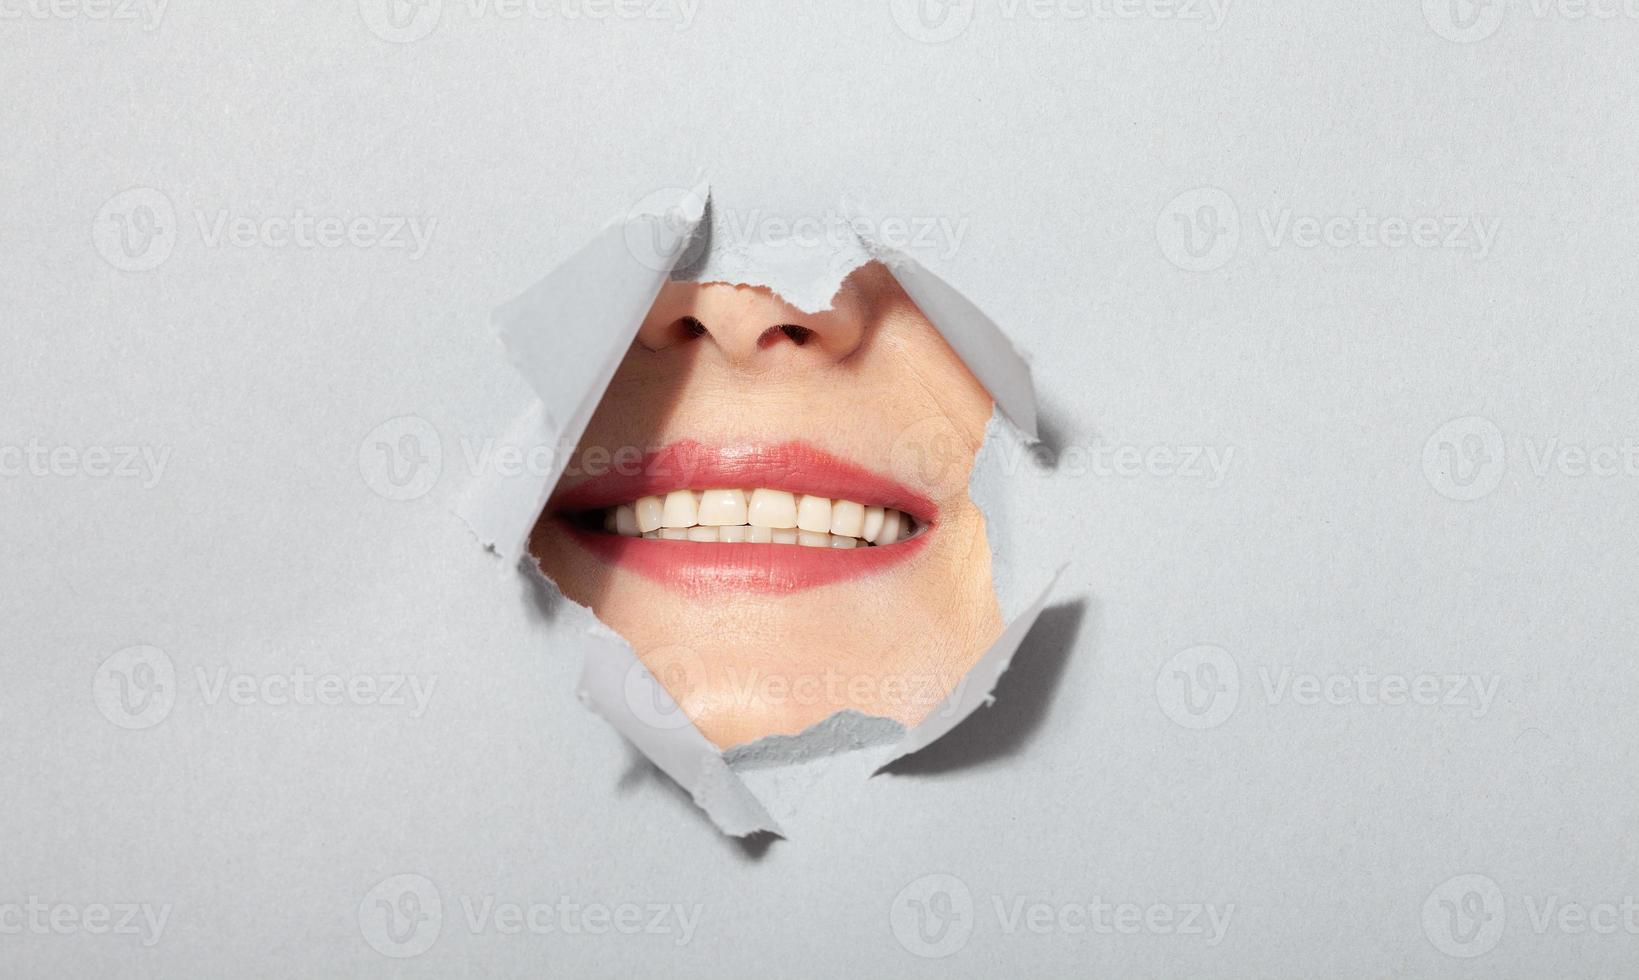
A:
772,507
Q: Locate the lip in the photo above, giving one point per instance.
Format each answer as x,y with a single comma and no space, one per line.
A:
700,568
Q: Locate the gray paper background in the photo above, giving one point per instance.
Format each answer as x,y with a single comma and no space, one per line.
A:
1131,181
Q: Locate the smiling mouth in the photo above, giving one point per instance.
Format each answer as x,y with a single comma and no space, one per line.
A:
651,519
756,516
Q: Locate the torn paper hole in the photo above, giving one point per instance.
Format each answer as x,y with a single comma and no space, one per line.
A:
771,499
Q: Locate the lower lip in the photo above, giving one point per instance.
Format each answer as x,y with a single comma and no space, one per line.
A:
711,568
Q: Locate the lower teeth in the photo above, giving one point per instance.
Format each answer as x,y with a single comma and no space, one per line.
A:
745,533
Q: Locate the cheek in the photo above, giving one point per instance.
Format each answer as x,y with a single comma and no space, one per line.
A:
630,405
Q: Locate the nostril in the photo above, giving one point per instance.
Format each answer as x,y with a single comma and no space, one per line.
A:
796,333
689,328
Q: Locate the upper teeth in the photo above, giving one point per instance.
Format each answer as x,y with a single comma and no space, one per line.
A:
759,515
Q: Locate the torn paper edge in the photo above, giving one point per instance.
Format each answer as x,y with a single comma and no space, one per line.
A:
974,336
680,752
978,686
596,300
602,293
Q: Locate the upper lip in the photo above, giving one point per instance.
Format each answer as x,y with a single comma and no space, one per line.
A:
796,467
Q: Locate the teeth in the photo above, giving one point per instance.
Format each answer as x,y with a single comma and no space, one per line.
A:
872,524
890,527
814,514
681,510
758,516
848,518
722,507
649,511
772,508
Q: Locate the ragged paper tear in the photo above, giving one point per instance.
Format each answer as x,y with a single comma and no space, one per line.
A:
568,334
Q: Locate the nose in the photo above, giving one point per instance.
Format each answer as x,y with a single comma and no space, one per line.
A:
751,328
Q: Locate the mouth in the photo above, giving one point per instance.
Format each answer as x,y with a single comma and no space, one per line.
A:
763,519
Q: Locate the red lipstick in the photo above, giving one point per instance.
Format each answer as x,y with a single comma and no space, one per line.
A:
701,568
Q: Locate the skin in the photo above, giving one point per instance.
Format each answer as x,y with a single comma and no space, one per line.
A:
871,382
